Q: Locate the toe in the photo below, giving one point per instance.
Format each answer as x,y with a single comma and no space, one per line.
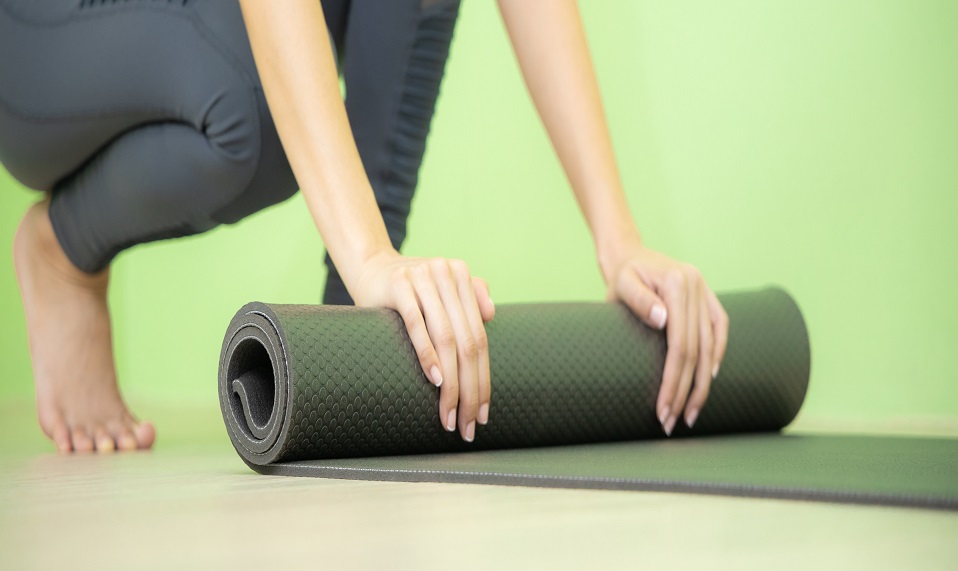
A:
61,438
59,433
145,434
122,434
82,441
104,442
56,429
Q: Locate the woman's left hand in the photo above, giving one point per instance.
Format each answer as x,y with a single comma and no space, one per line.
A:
667,294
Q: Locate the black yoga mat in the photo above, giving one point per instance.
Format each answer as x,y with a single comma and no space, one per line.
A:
338,392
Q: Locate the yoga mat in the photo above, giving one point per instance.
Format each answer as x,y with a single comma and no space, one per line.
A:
338,392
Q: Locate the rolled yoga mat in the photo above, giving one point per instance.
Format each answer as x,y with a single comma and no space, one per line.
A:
338,392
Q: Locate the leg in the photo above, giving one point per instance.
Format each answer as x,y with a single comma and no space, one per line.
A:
157,151
393,61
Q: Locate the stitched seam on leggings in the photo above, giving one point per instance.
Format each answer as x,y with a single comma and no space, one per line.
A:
204,32
385,164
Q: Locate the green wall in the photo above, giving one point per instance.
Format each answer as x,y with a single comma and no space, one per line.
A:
813,145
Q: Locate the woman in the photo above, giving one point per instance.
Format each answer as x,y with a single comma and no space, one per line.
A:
149,119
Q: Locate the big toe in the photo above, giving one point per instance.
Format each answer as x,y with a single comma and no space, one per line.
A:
59,433
145,434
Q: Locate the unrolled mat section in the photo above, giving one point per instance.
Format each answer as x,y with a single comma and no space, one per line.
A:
338,392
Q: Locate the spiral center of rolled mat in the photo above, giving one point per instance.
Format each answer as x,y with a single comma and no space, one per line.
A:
253,387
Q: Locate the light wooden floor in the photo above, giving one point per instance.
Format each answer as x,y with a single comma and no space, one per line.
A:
192,503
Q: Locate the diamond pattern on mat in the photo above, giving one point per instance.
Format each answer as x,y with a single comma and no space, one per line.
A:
561,374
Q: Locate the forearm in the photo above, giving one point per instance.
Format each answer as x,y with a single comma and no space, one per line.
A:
298,73
551,48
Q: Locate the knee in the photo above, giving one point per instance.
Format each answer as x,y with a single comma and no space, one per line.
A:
231,124
272,180
21,160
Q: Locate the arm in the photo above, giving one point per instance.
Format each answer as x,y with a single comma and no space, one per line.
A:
553,54
442,305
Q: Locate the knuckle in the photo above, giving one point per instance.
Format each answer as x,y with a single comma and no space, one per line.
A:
482,342
706,341
419,271
674,279
425,354
459,268
449,394
446,339
691,272
469,348
705,350
410,315
439,265
468,402
699,396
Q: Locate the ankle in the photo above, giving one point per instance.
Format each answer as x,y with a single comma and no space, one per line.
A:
36,242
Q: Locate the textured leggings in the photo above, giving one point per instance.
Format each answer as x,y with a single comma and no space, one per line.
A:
146,120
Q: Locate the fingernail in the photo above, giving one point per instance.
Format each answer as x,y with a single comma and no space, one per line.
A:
664,416
436,376
715,370
470,434
451,421
669,426
658,316
483,414
691,417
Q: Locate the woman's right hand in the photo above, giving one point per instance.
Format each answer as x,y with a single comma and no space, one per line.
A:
444,309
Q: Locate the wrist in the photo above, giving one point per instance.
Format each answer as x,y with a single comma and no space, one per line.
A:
363,263
615,245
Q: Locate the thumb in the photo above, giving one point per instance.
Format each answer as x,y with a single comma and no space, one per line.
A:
643,302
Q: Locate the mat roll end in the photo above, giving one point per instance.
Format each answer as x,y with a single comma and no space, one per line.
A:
254,383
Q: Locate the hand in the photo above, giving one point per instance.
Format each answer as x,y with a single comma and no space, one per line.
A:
670,295
444,309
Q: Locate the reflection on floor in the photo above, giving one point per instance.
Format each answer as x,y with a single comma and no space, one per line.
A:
193,503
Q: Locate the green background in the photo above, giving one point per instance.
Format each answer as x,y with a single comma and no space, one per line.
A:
812,145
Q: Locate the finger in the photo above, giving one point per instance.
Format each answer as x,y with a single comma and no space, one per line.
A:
674,295
641,300
409,309
444,340
470,303
719,330
703,370
486,308
467,349
691,355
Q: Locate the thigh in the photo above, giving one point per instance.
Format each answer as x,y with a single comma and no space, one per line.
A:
76,75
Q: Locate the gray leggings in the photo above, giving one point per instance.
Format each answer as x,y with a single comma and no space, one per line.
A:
146,120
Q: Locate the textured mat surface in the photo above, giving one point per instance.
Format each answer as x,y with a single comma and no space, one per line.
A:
895,471
338,392
314,382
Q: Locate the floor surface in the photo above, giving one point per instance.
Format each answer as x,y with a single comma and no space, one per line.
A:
192,503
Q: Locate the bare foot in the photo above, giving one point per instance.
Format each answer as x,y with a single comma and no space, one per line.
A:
68,325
